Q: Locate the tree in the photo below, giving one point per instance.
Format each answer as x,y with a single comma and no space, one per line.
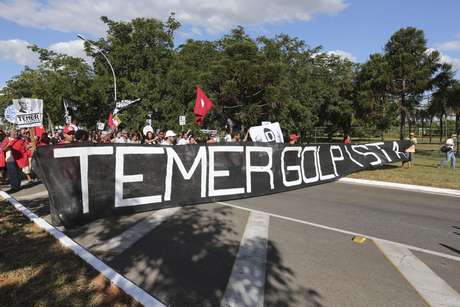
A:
373,85
412,67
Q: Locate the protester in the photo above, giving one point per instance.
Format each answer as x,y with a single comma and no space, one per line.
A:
183,139
410,151
15,158
450,148
149,138
135,138
236,137
170,138
293,138
68,135
346,139
81,136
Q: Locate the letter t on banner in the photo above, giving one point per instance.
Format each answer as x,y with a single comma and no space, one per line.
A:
202,106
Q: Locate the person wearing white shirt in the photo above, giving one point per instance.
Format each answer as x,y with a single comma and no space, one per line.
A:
450,154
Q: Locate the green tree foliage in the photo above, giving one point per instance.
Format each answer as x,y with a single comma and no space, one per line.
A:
412,67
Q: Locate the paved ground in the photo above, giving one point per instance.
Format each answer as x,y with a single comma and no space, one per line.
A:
287,249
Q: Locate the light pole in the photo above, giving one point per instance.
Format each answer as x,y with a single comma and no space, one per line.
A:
111,67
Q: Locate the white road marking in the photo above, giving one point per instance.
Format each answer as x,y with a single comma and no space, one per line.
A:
402,186
434,290
133,234
125,284
246,285
411,247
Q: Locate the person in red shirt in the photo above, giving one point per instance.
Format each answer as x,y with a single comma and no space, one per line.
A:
69,134
15,157
346,139
293,138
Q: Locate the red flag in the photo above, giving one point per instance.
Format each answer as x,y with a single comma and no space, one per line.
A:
202,106
112,122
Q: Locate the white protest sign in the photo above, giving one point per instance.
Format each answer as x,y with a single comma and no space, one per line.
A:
10,114
268,133
182,120
100,126
29,112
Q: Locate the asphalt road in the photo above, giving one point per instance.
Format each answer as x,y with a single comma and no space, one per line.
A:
287,249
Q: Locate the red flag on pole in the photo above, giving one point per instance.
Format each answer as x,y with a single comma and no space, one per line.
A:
202,106
113,121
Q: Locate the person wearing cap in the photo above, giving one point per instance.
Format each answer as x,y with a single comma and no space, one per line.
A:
170,138
450,154
69,134
293,138
410,151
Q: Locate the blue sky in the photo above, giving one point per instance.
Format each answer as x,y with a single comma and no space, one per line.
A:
352,28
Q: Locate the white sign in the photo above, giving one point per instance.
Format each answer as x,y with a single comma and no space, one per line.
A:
182,120
269,133
100,126
265,123
120,105
10,114
29,112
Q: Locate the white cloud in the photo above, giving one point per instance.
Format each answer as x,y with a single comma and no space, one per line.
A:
455,62
343,54
16,50
451,45
73,48
210,15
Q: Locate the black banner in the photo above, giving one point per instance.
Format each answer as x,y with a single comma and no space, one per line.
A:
86,182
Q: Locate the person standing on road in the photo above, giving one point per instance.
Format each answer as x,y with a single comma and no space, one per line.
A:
410,150
450,146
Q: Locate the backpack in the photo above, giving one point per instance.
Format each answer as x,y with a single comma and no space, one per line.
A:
445,148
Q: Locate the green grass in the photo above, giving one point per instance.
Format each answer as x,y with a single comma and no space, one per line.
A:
35,270
425,170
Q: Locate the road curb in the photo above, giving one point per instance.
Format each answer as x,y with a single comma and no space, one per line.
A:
120,281
402,186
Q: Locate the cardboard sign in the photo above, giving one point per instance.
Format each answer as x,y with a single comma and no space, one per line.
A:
29,112
267,133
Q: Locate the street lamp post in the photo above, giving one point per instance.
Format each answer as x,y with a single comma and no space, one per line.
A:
111,67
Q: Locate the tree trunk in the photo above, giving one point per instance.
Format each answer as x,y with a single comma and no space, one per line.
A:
423,127
441,126
402,123
402,120
431,125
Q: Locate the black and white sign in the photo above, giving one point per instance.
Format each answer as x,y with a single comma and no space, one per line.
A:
182,120
267,133
29,112
123,104
89,182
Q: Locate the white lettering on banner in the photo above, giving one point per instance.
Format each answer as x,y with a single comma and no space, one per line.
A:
351,158
396,150
321,175
295,168
120,178
334,158
221,173
365,154
257,168
377,145
174,157
83,153
315,159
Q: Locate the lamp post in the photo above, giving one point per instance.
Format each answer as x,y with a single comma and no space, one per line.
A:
111,67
